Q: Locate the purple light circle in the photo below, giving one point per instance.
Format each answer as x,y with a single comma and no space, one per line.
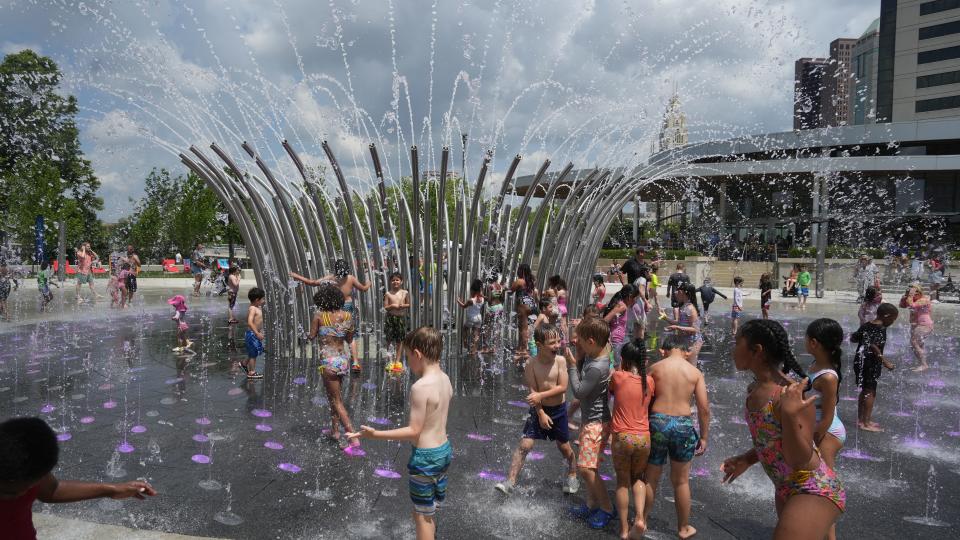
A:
491,475
174,380
200,458
515,403
125,448
110,404
261,413
386,473
378,420
300,380
273,445
479,437
354,451
138,429
87,420
48,408
105,386
234,391
264,427
200,437
289,467
535,456
203,421
64,437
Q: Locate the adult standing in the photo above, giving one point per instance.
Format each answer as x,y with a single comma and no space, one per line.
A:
84,258
674,282
347,282
633,267
197,265
131,281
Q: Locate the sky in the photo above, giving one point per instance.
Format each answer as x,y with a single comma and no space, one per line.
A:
567,80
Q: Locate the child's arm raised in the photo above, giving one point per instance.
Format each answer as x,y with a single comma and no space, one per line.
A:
418,412
364,287
55,491
798,421
305,280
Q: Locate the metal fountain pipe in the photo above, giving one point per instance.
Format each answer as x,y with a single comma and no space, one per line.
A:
356,236
472,226
321,250
552,245
580,289
542,210
417,242
494,250
563,225
521,224
442,233
385,217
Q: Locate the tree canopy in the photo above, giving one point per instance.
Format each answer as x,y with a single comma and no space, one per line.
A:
42,169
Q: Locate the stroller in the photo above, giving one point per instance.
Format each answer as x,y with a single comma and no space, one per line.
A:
793,291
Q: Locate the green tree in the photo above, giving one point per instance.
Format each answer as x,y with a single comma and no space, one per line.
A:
42,170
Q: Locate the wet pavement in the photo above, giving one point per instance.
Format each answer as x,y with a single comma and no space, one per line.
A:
240,459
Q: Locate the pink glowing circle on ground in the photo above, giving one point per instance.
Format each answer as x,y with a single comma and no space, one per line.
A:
48,408
913,442
479,437
264,427
273,445
386,473
535,456
234,391
300,380
200,458
515,403
491,475
289,467
125,448
138,429
605,478
354,451
105,386
64,437
109,404
87,420
700,472
200,437
203,421
261,413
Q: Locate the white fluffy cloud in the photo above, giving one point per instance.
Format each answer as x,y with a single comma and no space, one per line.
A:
565,79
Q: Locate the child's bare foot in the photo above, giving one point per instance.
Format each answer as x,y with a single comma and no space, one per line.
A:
872,426
687,532
571,425
921,368
638,529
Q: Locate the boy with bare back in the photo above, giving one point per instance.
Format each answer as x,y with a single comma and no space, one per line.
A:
427,430
254,336
546,376
671,426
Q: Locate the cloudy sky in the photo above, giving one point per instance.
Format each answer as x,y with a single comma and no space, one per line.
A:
569,80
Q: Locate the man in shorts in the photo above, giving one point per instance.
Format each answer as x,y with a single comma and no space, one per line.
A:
85,257
197,265
671,427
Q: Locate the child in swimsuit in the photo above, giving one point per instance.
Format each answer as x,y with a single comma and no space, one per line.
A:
809,496
473,317
492,338
599,291
921,323
688,324
333,324
559,298
824,341
868,362
179,304
616,316
43,284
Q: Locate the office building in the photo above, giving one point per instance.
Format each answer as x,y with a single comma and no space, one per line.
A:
835,92
862,105
918,70
808,81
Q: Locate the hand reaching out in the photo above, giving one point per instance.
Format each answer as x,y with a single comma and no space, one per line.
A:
734,467
364,433
792,401
136,489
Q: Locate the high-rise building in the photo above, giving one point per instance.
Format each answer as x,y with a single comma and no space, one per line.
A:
808,81
918,68
862,105
673,130
835,94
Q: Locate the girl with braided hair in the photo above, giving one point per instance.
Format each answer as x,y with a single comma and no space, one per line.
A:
809,495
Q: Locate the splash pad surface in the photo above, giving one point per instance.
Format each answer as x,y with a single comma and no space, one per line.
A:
295,458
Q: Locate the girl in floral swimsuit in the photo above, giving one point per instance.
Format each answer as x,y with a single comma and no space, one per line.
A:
688,323
809,496
332,324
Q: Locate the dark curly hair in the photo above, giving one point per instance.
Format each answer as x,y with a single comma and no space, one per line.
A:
775,342
690,290
28,450
328,297
340,269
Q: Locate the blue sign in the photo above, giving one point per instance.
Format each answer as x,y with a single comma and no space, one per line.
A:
38,245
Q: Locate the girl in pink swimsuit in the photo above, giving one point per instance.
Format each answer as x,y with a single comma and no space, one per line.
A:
809,496
921,323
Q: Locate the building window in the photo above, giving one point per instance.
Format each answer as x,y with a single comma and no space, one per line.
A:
938,79
938,104
938,55
940,30
929,8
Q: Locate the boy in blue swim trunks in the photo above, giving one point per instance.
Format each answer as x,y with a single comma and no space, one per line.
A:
427,431
254,335
546,376
803,281
671,427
